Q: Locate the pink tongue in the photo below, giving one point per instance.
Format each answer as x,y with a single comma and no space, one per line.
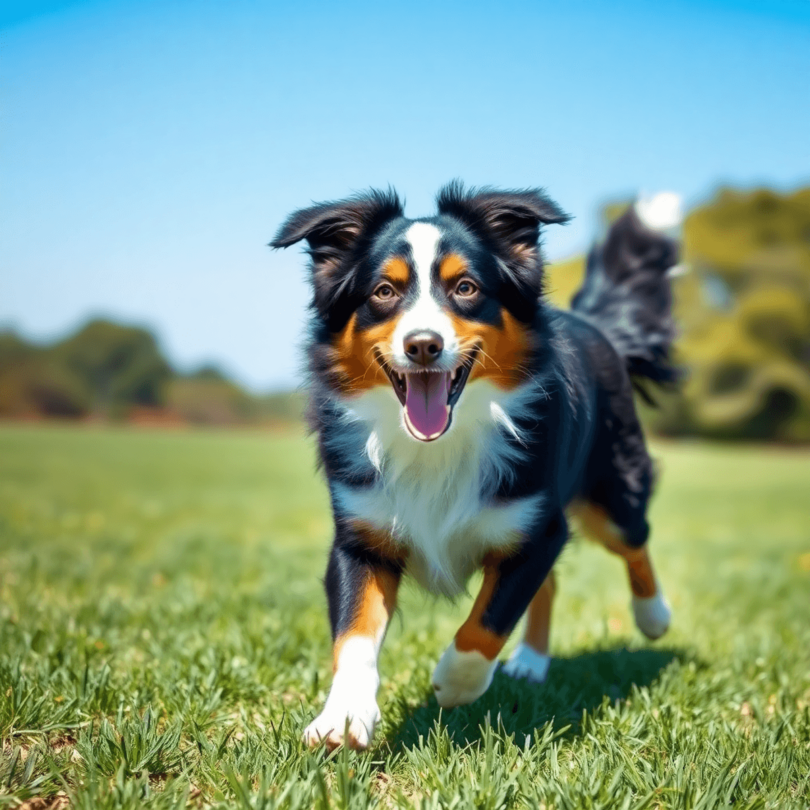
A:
426,403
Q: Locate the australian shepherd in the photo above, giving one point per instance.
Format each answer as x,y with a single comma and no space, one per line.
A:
462,420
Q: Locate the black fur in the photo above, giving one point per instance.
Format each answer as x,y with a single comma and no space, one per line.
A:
350,565
337,234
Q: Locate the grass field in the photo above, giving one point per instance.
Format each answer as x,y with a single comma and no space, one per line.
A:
163,641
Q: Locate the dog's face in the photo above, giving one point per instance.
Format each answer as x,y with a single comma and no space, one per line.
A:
425,307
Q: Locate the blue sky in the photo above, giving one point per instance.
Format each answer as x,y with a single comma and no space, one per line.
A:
149,150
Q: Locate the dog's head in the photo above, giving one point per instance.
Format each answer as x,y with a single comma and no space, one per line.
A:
425,307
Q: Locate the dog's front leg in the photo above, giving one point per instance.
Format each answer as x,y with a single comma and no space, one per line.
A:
465,670
362,589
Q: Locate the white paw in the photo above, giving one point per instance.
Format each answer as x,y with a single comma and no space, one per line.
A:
330,727
351,712
652,614
461,677
527,663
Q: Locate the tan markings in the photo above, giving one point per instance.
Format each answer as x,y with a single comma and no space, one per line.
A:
642,576
355,366
452,268
525,254
503,351
596,522
381,542
375,606
472,635
538,616
397,271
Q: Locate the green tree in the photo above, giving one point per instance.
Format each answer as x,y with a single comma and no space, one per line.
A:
117,366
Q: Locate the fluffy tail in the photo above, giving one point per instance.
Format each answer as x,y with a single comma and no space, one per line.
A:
627,292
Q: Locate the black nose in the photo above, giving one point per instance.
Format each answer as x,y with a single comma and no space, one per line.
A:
424,348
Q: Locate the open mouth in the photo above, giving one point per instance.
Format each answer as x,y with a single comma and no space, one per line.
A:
428,397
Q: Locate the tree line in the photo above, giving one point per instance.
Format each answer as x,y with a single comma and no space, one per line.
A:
110,371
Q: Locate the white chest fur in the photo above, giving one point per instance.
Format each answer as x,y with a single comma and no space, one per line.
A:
436,498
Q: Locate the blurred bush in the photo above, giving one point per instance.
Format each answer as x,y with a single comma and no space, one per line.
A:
208,397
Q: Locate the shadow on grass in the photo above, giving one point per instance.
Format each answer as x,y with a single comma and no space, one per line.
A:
574,684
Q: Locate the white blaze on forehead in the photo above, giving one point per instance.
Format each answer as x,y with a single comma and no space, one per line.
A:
426,312
424,242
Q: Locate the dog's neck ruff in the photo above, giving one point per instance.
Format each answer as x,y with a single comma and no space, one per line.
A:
437,499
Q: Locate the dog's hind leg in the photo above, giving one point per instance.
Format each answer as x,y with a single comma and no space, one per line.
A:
530,659
650,607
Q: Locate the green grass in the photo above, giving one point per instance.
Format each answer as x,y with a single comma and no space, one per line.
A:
163,641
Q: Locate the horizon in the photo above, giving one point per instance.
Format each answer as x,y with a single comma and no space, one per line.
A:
150,151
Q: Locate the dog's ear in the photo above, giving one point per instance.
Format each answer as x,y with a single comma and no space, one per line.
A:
509,223
335,231
510,219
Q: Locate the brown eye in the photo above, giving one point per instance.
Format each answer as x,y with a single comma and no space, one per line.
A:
385,292
466,288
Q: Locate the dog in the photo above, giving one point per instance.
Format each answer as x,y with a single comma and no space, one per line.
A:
461,420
